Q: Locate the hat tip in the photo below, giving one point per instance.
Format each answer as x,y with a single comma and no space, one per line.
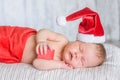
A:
61,21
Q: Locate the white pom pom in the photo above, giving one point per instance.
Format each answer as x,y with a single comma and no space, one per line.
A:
61,21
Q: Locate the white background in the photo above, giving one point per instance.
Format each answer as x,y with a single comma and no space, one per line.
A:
42,14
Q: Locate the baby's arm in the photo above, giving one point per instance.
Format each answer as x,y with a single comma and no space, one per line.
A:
45,34
42,64
43,47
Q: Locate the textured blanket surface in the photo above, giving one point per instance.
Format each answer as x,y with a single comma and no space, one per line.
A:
110,70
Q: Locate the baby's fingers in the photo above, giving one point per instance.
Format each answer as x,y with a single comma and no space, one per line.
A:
45,47
49,48
39,49
66,66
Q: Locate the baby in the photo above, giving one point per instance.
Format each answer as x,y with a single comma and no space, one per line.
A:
67,54
22,44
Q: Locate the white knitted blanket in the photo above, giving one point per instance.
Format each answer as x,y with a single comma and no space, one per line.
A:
110,70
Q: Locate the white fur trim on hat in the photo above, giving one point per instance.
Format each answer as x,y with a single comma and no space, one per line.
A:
90,38
61,21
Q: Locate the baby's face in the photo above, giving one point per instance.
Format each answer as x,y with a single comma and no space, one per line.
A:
81,55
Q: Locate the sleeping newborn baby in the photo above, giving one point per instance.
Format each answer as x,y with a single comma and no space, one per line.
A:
45,49
55,51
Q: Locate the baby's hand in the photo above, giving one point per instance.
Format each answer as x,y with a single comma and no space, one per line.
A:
66,66
44,51
42,48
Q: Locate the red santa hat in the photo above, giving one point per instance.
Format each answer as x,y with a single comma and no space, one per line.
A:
90,29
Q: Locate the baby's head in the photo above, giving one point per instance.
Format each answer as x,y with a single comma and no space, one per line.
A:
81,55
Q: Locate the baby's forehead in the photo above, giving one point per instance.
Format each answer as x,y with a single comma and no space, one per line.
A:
86,45
91,50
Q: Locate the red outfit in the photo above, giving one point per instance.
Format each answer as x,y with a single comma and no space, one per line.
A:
12,42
